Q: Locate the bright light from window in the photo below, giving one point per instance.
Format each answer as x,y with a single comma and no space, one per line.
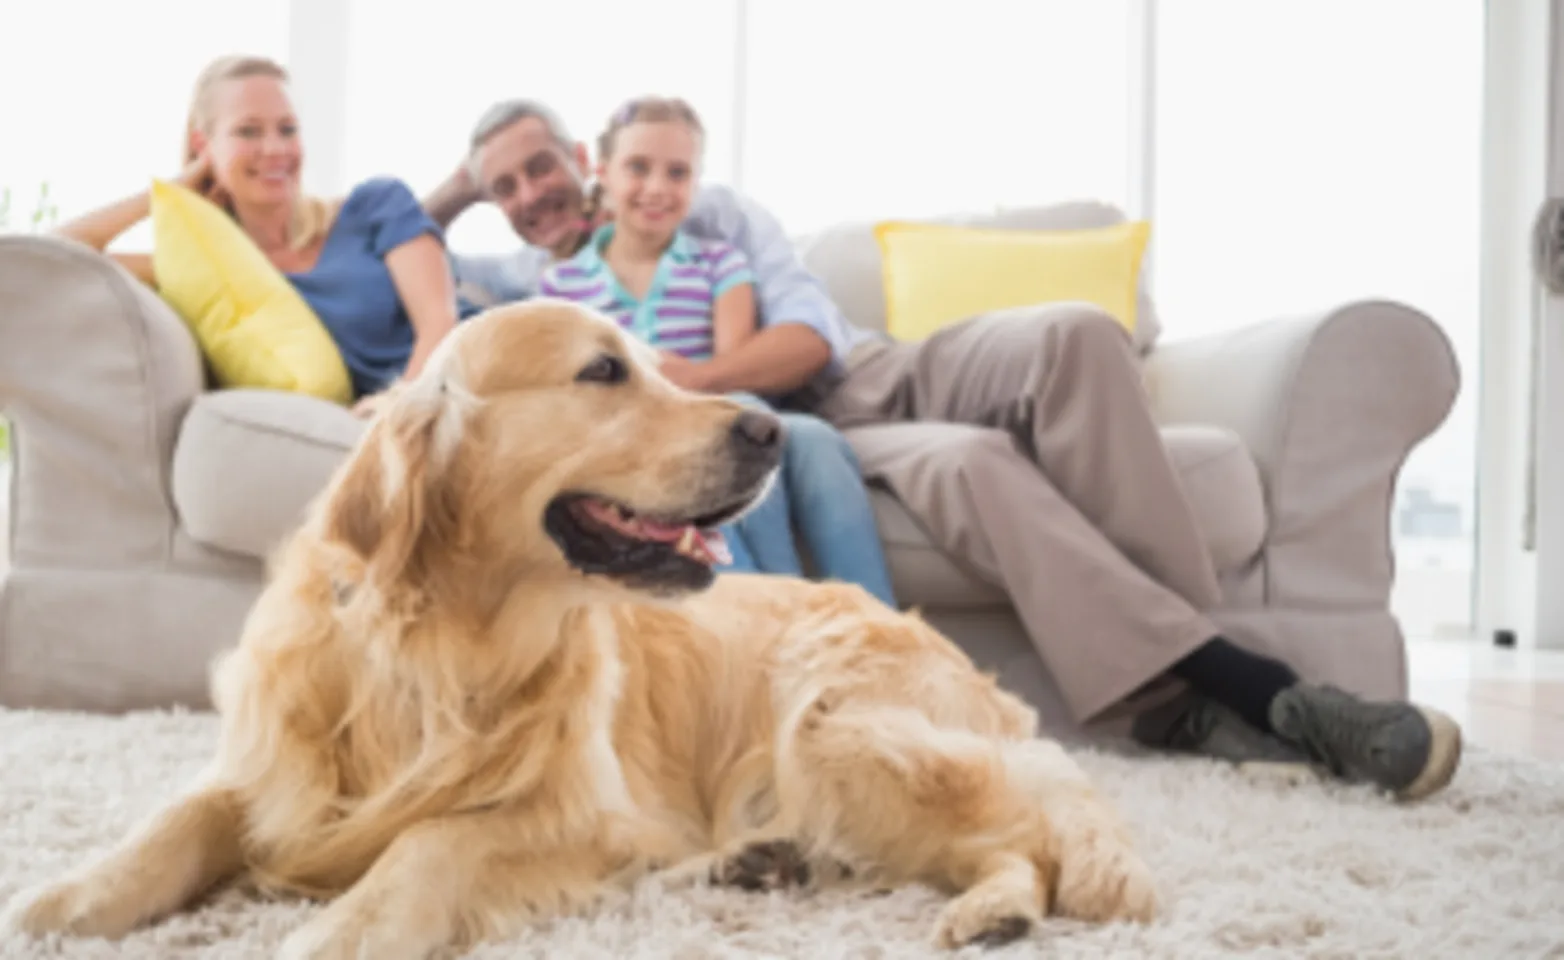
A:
95,95
1314,153
884,108
417,84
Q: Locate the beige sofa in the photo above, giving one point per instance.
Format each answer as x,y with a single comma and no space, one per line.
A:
143,504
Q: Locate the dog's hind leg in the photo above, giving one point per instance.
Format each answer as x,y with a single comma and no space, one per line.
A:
997,822
173,857
1099,877
916,802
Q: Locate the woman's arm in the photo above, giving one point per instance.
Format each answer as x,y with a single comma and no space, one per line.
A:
103,226
423,281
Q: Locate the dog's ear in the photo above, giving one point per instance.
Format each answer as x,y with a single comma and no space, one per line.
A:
354,511
396,499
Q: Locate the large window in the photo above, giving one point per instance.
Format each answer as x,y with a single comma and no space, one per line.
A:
417,84
96,94
884,108
1311,153
851,110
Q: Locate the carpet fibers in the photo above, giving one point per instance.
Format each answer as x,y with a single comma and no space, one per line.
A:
1248,867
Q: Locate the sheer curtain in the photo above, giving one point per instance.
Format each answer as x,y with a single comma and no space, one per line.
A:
94,96
1326,151
883,108
417,84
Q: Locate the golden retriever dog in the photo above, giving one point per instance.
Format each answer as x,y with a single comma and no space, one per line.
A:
493,675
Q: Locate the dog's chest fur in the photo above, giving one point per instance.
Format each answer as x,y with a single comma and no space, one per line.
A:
421,737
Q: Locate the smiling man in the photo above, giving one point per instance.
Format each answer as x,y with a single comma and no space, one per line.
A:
1023,440
521,162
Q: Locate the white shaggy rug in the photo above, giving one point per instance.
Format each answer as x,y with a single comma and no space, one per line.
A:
1248,868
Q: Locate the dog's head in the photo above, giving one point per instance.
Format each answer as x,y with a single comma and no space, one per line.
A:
539,441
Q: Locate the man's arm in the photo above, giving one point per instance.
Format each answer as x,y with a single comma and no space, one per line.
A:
451,198
802,331
775,361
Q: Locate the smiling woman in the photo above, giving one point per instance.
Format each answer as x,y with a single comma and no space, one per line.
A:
370,267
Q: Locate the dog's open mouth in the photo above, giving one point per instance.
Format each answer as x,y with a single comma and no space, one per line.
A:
601,536
698,539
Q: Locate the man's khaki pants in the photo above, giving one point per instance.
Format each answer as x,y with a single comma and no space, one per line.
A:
1023,441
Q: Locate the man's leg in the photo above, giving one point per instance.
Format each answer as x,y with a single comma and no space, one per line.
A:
1103,627
1065,382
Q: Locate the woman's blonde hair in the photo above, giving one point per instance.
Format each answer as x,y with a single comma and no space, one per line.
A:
312,216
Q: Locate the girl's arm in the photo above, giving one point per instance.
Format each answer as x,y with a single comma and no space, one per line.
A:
733,318
733,301
423,281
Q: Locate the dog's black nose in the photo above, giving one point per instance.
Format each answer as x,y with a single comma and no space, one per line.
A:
757,430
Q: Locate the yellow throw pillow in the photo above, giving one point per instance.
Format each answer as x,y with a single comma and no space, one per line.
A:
936,274
253,326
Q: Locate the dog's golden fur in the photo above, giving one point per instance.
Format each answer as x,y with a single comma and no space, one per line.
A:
438,725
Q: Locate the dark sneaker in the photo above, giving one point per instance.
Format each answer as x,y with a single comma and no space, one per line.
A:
1409,750
1194,723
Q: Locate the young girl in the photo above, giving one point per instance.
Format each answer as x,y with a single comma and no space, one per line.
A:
693,299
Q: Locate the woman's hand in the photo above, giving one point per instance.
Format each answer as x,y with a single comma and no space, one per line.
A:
368,406
200,178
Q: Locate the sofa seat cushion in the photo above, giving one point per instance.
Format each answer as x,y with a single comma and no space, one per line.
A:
1223,484
1219,476
248,462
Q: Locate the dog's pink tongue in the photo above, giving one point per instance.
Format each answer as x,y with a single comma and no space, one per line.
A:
666,532
708,544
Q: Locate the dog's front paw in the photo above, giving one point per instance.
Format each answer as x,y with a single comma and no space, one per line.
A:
324,939
764,865
83,907
988,918
350,928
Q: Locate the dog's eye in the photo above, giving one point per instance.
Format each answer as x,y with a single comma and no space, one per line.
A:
605,369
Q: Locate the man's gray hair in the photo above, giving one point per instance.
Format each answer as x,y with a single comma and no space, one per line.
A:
508,112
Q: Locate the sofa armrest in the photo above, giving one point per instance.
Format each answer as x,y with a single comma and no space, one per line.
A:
96,373
1329,404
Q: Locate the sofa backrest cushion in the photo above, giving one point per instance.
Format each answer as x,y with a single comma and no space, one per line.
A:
847,259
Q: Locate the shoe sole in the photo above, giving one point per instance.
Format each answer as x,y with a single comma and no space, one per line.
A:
1444,755
1284,773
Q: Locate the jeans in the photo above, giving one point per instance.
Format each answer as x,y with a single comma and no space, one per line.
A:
821,488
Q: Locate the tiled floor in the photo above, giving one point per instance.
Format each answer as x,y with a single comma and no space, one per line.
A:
1508,700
